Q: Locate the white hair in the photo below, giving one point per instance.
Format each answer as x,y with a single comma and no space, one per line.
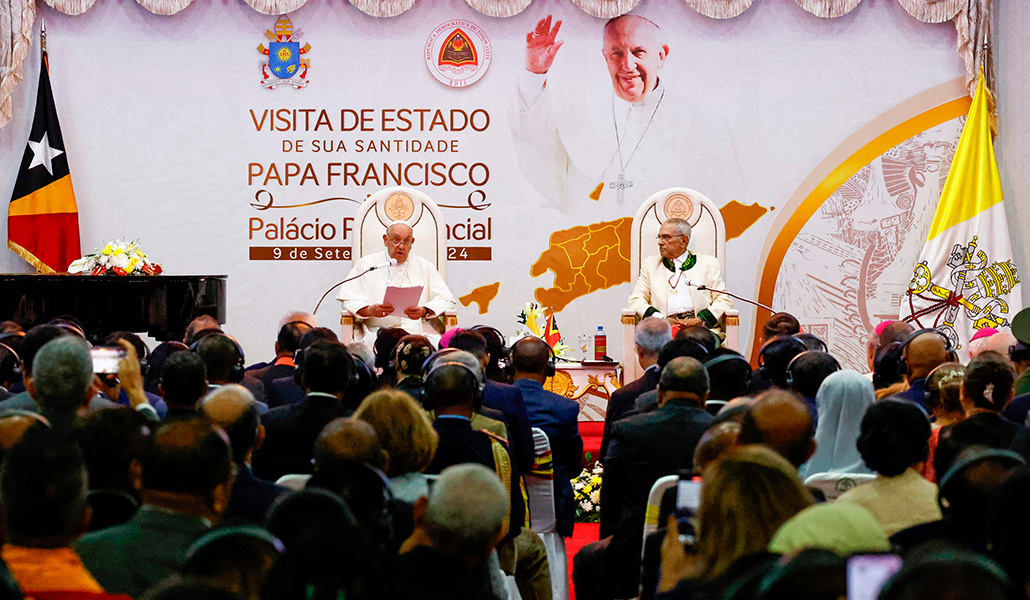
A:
681,225
651,334
62,372
298,316
232,390
391,224
363,352
467,509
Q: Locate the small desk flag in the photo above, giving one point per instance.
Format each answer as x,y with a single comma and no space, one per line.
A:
42,219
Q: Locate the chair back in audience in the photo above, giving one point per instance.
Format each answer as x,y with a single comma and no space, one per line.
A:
295,482
540,488
832,485
654,503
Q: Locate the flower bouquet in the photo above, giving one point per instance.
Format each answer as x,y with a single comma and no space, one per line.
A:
116,258
587,492
539,323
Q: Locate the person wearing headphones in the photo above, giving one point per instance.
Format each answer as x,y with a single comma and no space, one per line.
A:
921,352
326,372
533,362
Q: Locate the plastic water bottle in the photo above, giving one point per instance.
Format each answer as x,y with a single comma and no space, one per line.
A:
600,344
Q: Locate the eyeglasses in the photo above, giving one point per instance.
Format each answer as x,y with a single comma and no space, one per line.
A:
399,242
668,238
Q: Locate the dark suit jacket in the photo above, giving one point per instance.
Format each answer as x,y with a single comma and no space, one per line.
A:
643,448
459,444
284,391
558,417
623,400
916,394
426,574
251,497
134,557
290,433
270,372
508,399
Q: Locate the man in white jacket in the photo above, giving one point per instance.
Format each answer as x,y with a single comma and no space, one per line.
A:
663,288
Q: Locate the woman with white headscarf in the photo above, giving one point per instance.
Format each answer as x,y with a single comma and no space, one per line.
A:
842,401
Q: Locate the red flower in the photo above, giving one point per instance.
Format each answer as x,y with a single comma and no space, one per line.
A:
157,269
119,271
99,270
148,269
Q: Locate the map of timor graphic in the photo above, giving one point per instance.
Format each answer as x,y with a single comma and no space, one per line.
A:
482,296
458,50
584,259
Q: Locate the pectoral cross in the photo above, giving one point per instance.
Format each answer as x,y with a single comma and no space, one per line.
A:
620,186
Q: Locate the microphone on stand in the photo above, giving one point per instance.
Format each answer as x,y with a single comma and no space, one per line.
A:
386,263
704,288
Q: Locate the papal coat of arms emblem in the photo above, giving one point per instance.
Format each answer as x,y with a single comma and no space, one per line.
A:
284,64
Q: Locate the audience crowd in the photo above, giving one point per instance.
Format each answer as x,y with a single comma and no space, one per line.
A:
402,470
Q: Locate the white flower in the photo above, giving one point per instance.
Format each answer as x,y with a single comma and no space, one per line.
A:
120,260
585,505
595,496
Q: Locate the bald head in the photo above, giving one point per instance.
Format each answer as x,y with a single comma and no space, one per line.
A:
348,440
779,420
634,51
924,354
529,357
232,407
718,439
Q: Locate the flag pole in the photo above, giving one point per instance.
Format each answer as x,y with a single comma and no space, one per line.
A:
42,33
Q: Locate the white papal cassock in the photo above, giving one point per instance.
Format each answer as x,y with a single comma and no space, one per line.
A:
566,144
370,289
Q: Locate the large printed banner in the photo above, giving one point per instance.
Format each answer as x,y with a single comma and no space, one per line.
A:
232,142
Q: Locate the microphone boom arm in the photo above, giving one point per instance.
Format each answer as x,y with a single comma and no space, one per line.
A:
732,295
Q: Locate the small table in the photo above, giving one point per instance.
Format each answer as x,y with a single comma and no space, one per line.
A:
590,383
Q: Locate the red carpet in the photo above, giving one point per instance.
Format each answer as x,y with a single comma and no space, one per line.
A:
583,534
591,432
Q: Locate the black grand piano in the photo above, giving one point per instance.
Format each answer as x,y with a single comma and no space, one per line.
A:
161,305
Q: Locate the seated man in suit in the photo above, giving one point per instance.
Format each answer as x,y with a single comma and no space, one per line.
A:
456,528
287,342
503,397
557,416
187,477
643,448
232,408
365,295
650,335
663,288
324,372
453,388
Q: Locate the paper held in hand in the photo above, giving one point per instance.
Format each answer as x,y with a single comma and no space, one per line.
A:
402,298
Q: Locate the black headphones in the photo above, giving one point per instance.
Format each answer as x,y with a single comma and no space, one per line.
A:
778,341
726,358
947,482
16,370
790,365
807,338
429,369
552,360
238,369
503,349
249,531
903,362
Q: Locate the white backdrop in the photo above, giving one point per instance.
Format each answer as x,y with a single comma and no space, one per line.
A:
155,114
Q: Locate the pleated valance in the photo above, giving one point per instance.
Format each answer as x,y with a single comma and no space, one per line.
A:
971,19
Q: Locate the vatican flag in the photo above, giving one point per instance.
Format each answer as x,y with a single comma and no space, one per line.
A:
964,279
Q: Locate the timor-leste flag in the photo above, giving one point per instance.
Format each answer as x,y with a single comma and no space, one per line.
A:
43,220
